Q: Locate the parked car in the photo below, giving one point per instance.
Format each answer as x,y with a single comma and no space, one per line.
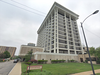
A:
15,61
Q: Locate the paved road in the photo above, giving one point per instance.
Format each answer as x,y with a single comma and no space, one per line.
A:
6,67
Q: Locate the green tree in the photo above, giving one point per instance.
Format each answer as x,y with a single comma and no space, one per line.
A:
7,54
28,56
96,53
92,51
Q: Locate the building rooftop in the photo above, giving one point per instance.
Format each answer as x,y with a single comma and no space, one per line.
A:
60,7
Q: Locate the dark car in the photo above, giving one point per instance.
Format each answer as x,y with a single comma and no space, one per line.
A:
15,61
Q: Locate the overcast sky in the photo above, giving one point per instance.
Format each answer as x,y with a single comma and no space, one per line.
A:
19,24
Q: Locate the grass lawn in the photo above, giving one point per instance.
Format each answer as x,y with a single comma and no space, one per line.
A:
60,68
98,74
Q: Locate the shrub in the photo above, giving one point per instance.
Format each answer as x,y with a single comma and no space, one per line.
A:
28,63
33,60
53,61
45,61
86,61
42,61
63,60
72,60
98,61
57,61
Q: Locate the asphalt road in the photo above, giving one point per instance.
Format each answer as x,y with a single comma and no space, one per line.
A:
6,67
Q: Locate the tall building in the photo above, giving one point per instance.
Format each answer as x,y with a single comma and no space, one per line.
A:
11,50
59,32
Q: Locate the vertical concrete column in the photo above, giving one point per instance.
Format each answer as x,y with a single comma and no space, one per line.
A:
72,34
57,32
47,35
44,36
52,17
50,34
67,33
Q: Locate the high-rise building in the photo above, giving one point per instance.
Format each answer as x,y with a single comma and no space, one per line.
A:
59,32
11,50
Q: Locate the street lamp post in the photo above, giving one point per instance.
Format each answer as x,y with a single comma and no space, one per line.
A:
30,59
86,40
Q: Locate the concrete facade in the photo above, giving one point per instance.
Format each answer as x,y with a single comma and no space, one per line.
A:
11,50
54,56
24,49
83,57
59,32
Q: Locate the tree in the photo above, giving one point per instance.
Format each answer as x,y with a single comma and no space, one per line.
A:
96,53
28,56
7,54
92,51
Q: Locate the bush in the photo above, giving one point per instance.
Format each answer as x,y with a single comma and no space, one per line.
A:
57,61
33,60
27,58
72,60
54,61
63,60
45,61
98,61
28,63
86,61
42,61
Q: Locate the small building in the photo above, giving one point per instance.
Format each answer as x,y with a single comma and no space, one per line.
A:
24,49
85,56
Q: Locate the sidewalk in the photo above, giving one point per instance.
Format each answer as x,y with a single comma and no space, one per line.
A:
87,72
16,70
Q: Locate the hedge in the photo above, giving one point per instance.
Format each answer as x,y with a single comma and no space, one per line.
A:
72,60
57,61
42,61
